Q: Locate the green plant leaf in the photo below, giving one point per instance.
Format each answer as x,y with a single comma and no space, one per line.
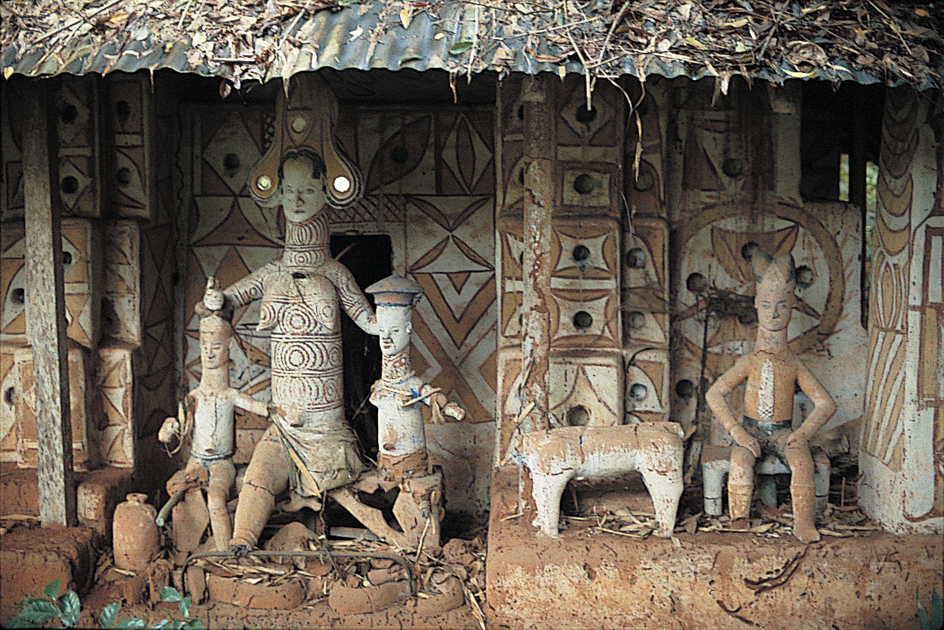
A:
460,47
109,615
937,611
71,608
52,589
410,58
132,623
37,611
170,594
184,605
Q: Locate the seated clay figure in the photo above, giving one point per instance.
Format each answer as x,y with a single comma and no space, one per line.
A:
402,458
772,372
309,447
209,413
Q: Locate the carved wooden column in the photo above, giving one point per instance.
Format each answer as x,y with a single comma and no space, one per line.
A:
46,320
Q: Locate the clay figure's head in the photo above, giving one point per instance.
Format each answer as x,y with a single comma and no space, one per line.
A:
214,342
394,327
776,285
395,297
302,174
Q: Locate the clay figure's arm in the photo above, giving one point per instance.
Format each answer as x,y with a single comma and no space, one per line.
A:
352,299
823,410
250,404
715,397
441,405
249,288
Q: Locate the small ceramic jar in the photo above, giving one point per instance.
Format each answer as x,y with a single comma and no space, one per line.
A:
135,535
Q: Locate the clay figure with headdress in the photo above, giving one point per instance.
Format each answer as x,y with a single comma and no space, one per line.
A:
772,372
207,417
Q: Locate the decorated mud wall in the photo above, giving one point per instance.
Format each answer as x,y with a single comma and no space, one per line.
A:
902,447
118,249
429,189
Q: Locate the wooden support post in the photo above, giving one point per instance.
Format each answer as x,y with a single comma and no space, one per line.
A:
539,188
45,310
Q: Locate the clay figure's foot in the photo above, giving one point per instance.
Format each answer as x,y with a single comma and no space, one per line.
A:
740,524
240,550
806,532
663,532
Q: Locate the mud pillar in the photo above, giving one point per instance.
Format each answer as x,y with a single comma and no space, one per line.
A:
901,452
538,204
538,183
46,319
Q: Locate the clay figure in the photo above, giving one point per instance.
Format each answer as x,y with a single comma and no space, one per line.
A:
209,411
309,445
402,458
772,372
556,456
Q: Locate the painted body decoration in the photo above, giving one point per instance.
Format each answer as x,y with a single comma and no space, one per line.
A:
309,447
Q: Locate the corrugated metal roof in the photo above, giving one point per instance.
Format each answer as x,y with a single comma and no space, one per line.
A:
457,36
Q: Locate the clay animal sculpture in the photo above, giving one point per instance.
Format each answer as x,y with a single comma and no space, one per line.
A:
772,372
556,456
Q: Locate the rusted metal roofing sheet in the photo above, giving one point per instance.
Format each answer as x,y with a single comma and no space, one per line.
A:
672,38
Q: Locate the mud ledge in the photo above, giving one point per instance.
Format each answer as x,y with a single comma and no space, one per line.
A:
587,579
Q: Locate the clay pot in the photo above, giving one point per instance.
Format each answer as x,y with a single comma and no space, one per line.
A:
135,535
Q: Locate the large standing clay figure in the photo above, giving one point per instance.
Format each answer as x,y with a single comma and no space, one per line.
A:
209,410
403,461
309,446
772,372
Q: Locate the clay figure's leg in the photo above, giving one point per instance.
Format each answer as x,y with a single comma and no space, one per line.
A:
266,476
665,488
740,485
803,492
547,491
222,476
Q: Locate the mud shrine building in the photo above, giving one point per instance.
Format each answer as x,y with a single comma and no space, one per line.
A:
586,261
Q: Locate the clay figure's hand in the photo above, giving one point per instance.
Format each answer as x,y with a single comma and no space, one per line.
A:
213,298
746,440
454,410
798,438
169,429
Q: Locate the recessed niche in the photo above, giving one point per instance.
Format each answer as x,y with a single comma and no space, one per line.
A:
578,416
583,320
733,167
124,176
805,277
635,319
638,392
8,396
696,283
584,184
231,161
636,258
69,185
18,296
644,182
68,114
122,109
581,253
685,388
585,115
399,154
66,257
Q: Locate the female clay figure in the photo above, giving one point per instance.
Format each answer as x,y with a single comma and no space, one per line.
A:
309,444
210,407
772,371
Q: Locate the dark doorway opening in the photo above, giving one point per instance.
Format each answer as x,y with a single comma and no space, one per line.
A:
369,258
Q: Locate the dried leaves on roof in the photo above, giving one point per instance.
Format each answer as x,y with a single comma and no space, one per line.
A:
774,40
